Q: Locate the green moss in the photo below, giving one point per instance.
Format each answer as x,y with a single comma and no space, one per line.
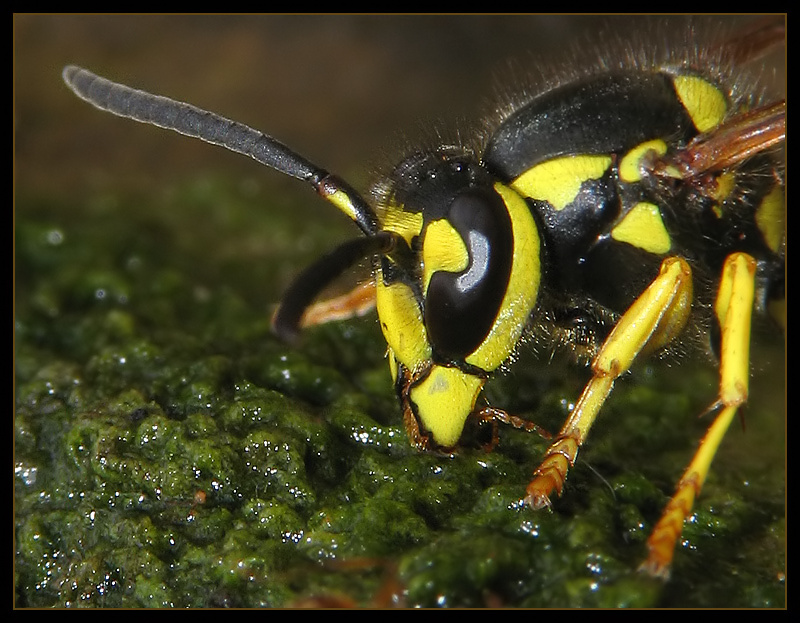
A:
170,452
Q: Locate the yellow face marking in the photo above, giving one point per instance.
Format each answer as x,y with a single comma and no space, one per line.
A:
401,322
558,181
704,102
442,249
522,290
642,227
444,400
407,224
392,363
771,219
629,166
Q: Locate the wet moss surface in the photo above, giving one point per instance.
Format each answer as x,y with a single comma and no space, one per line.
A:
170,452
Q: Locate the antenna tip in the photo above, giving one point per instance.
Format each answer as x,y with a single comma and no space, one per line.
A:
68,73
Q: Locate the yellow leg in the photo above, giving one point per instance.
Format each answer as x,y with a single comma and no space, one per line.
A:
652,321
733,308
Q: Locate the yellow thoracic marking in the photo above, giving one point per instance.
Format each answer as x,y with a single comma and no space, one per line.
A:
629,166
558,181
642,227
444,400
726,182
522,290
401,322
704,102
407,224
771,217
442,249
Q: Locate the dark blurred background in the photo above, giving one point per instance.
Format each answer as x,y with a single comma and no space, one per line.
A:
336,88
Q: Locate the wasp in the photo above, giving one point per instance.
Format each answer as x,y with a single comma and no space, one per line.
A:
619,213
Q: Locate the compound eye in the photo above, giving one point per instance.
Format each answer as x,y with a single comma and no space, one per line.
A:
461,305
